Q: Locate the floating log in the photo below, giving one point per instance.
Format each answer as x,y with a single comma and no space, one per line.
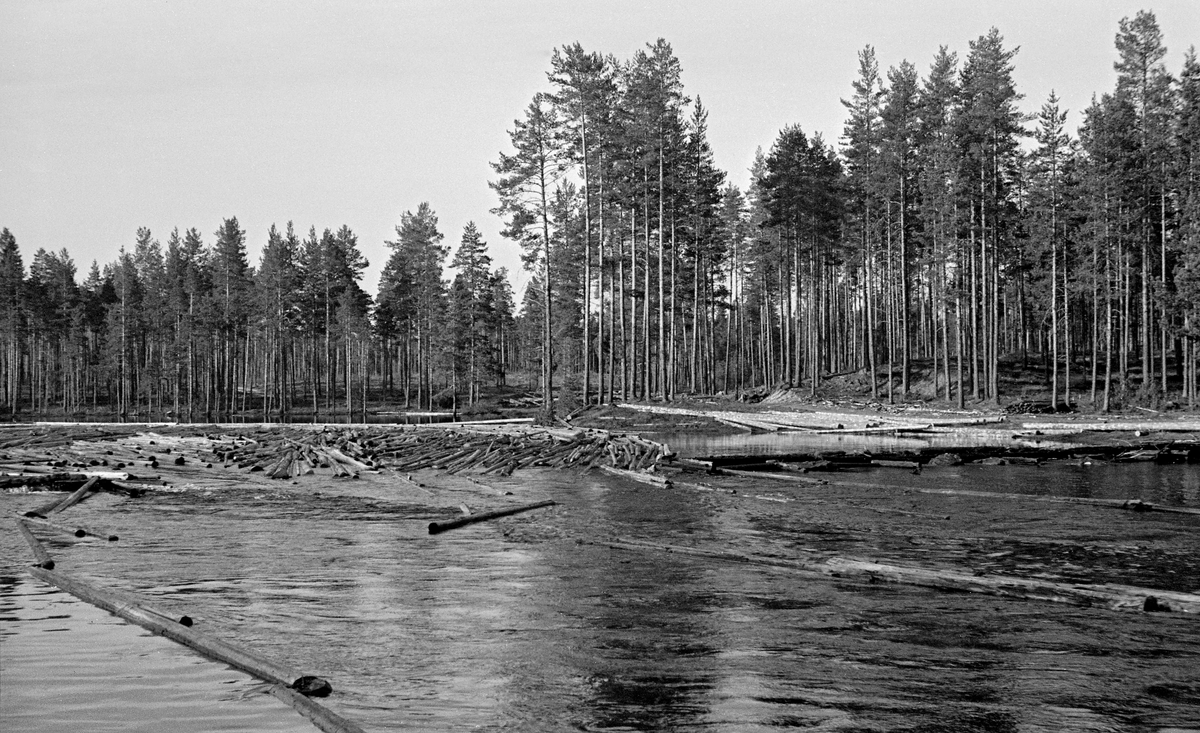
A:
772,475
48,481
74,529
76,497
915,428
695,464
1135,505
118,476
120,487
213,648
895,464
1153,426
439,527
1136,456
639,476
952,421
805,466
1108,595
44,509
39,551
320,716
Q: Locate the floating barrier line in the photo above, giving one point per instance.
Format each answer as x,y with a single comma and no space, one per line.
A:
213,648
1108,595
288,685
39,551
74,528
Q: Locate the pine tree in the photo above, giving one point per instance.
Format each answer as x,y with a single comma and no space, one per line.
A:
901,128
700,201
862,138
1143,81
654,99
1186,184
989,128
12,321
277,305
586,91
525,186
1047,220
937,206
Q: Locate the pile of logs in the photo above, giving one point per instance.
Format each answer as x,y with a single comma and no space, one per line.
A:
65,457
504,452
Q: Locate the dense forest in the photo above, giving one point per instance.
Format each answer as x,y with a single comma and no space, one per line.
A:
946,232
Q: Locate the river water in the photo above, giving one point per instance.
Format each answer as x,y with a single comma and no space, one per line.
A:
527,623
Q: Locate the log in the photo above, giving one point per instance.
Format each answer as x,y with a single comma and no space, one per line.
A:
51,480
1153,426
44,509
805,466
639,476
76,530
121,487
498,421
772,475
952,421
1135,505
895,464
320,716
39,551
211,647
347,459
439,527
1136,456
915,428
732,424
1108,595
76,497
695,464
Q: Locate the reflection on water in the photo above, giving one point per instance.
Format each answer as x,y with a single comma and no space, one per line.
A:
523,624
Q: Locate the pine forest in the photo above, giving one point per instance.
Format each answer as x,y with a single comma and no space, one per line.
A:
952,233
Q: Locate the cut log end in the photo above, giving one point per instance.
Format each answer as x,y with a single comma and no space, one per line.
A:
1153,605
311,686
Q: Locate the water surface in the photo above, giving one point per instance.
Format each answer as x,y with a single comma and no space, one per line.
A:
526,623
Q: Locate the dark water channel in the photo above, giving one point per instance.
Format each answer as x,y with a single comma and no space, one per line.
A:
525,623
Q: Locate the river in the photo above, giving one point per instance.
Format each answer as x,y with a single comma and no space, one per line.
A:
526,623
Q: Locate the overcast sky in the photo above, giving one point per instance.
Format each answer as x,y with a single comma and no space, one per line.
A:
120,114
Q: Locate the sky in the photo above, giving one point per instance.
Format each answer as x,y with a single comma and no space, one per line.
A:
119,114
